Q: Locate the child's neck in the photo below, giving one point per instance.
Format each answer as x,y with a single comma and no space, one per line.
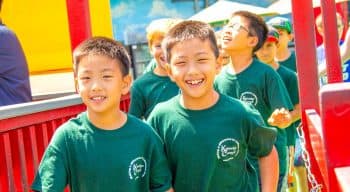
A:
108,121
283,54
160,71
200,103
274,64
240,61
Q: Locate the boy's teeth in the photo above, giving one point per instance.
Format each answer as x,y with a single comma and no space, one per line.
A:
194,82
97,98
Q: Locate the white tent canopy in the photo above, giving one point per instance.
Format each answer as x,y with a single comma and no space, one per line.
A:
222,10
285,6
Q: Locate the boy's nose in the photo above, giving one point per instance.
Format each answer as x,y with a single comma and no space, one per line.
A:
192,68
96,86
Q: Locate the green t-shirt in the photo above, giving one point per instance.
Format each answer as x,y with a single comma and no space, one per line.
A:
207,149
290,63
261,86
149,90
87,158
290,80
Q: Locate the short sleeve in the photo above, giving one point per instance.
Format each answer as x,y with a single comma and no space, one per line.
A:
160,175
52,171
261,138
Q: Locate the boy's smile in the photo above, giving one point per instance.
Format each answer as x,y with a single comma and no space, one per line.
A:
100,82
193,67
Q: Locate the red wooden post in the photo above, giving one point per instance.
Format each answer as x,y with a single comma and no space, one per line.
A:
331,41
303,22
79,21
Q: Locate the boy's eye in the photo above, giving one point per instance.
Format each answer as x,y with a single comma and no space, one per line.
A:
84,78
180,63
202,60
107,76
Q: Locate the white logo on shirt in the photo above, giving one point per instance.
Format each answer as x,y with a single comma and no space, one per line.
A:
137,168
249,97
227,149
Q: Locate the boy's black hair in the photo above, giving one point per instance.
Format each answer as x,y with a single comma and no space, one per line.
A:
257,26
102,46
187,30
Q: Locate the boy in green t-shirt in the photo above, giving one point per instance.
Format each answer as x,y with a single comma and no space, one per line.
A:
284,55
208,135
103,149
253,82
155,86
267,54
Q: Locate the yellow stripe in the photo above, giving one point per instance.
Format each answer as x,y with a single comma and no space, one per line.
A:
101,20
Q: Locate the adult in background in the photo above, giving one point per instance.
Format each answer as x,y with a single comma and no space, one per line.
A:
14,75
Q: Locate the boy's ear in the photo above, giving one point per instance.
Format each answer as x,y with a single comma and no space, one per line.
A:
253,41
76,84
169,71
127,80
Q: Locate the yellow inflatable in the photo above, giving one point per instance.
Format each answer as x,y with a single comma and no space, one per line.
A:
43,28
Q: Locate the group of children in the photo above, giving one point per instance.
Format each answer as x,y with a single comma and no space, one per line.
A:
208,127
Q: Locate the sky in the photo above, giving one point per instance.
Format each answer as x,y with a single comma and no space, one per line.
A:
131,17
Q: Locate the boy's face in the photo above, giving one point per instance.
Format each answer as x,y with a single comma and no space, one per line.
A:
267,52
236,35
284,38
340,27
156,51
100,83
193,67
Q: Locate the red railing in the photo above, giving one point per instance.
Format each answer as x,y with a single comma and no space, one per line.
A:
25,131
329,138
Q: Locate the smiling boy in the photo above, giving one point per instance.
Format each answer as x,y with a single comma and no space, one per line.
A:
103,149
208,135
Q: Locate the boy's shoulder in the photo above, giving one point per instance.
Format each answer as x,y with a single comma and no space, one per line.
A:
262,66
286,71
168,106
145,77
139,126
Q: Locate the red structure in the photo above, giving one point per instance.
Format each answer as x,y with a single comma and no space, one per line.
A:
324,123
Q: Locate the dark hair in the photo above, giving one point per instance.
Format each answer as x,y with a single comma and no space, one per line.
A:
257,26
187,30
102,46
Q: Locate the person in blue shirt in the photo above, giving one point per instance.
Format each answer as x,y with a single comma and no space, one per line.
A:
344,50
14,75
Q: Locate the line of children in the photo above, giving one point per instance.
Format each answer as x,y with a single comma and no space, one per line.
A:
251,81
267,55
103,149
286,57
208,135
154,86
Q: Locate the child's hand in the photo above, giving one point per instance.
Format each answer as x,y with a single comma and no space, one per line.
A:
280,118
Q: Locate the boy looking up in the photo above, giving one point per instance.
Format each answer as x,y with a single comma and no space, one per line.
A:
253,82
103,149
208,135
154,86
